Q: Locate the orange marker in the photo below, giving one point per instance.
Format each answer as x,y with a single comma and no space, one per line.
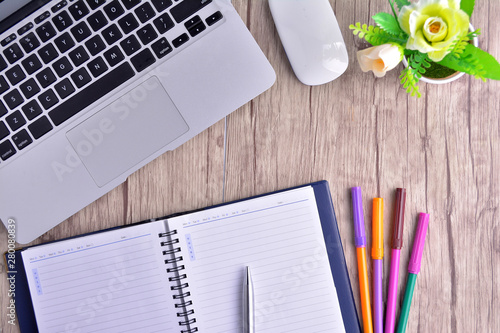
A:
360,242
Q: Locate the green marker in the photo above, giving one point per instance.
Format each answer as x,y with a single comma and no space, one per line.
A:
413,269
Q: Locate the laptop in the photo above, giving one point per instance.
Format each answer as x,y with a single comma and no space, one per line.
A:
92,90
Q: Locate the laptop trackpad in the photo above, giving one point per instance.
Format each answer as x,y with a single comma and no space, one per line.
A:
127,131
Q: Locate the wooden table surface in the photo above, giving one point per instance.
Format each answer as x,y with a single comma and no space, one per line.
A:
444,148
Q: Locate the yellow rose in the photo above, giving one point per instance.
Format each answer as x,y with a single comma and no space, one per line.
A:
379,59
433,25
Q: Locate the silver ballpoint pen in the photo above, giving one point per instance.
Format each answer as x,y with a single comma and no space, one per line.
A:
248,304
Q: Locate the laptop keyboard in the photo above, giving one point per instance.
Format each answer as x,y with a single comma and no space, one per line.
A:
71,56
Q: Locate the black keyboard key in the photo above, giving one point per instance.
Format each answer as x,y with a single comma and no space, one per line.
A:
114,56
92,93
31,64
81,31
29,42
95,45
7,150
192,22
40,127
4,131
48,99
161,5
78,10
13,53
22,139
95,3
64,88
7,40
13,99
46,77
112,34
3,109
4,86
145,12
128,23
215,17
113,10
42,17
180,40
25,28
97,21
3,64
48,53
147,34
164,23
29,88
64,42
197,29
32,109
15,75
62,20
81,77
79,56
143,60
97,67
57,7
187,8
130,3
46,31
62,67
15,120
130,45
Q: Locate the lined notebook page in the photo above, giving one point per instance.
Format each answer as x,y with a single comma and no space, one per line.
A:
113,281
280,238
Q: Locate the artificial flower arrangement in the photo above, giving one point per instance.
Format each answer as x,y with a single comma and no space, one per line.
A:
430,34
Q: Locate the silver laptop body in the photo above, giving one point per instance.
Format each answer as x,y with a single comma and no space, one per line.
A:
80,113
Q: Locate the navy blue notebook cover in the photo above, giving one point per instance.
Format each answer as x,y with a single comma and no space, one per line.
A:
26,316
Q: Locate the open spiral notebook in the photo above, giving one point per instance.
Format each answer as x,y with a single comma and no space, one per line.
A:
185,273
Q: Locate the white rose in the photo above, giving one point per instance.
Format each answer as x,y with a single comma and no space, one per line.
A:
379,59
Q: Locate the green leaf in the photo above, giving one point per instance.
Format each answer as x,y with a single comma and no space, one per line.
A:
401,3
388,23
375,35
458,46
474,61
409,81
467,6
417,63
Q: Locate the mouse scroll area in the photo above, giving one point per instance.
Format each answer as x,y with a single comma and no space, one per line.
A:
312,39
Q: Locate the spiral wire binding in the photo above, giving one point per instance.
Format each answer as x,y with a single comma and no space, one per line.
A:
177,276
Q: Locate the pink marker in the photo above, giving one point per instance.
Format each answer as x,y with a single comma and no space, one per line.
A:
397,244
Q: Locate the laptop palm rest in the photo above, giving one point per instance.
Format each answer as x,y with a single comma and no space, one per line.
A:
127,131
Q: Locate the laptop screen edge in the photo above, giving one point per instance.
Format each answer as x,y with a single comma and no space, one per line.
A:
21,14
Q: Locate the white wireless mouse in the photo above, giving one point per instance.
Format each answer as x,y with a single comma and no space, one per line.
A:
311,38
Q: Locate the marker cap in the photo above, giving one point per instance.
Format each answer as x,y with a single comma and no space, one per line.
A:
418,244
399,219
378,228
359,223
